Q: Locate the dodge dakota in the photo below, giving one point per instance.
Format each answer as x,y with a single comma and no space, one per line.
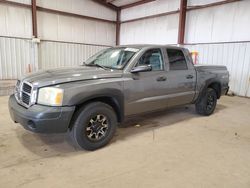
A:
90,100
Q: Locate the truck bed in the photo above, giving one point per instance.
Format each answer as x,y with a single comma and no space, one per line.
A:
210,67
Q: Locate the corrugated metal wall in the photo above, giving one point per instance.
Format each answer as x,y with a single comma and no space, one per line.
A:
236,56
82,7
69,35
224,23
160,30
15,21
56,54
16,55
71,29
151,8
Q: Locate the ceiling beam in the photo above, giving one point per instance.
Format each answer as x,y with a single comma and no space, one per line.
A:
136,3
110,1
106,4
195,7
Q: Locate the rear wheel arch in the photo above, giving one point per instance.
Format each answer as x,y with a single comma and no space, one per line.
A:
207,103
214,84
217,87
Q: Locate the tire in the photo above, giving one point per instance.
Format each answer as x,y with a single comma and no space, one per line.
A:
93,126
207,103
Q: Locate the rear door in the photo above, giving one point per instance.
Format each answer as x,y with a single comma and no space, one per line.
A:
181,77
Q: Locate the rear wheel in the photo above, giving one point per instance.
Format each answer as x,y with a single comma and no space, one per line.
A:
207,103
94,126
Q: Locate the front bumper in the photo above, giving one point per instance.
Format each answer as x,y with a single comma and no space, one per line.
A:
41,119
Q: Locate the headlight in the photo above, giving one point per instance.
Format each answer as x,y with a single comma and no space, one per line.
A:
50,96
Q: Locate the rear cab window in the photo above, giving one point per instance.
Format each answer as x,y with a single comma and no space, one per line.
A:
177,60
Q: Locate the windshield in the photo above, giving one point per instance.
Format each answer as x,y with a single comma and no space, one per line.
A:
115,58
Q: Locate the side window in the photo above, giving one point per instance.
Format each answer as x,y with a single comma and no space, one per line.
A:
152,57
176,59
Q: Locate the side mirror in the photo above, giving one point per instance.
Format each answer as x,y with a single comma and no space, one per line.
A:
142,68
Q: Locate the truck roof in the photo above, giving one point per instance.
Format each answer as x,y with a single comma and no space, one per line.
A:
140,46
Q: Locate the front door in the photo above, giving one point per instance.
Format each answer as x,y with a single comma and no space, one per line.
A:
144,91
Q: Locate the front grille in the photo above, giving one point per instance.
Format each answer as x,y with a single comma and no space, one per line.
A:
27,88
23,93
25,98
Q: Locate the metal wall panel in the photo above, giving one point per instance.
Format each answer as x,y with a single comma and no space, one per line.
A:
19,56
15,57
56,54
224,23
161,30
28,2
83,7
152,8
70,29
15,21
236,56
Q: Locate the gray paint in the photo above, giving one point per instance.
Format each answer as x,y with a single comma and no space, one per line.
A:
133,92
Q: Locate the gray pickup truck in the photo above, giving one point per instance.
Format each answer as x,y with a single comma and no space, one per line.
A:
90,100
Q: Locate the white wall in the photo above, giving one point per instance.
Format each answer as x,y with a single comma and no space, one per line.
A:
224,23
18,52
160,30
147,9
15,21
57,54
16,56
71,29
82,7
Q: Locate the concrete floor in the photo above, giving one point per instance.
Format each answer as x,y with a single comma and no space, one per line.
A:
7,87
176,148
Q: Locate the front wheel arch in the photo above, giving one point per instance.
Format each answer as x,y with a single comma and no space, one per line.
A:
109,100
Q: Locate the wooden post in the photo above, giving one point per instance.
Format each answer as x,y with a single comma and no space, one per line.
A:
34,18
118,26
182,21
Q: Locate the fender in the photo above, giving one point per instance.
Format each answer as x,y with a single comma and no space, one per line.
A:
116,99
205,86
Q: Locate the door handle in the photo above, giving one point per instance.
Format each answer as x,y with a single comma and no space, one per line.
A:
161,79
189,76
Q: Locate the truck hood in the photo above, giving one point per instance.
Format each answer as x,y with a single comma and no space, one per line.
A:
64,75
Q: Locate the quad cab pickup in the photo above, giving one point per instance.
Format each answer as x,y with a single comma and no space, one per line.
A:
90,100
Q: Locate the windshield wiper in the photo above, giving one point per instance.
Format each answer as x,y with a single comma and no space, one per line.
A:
97,65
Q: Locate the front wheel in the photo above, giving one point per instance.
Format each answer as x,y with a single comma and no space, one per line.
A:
94,125
207,103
